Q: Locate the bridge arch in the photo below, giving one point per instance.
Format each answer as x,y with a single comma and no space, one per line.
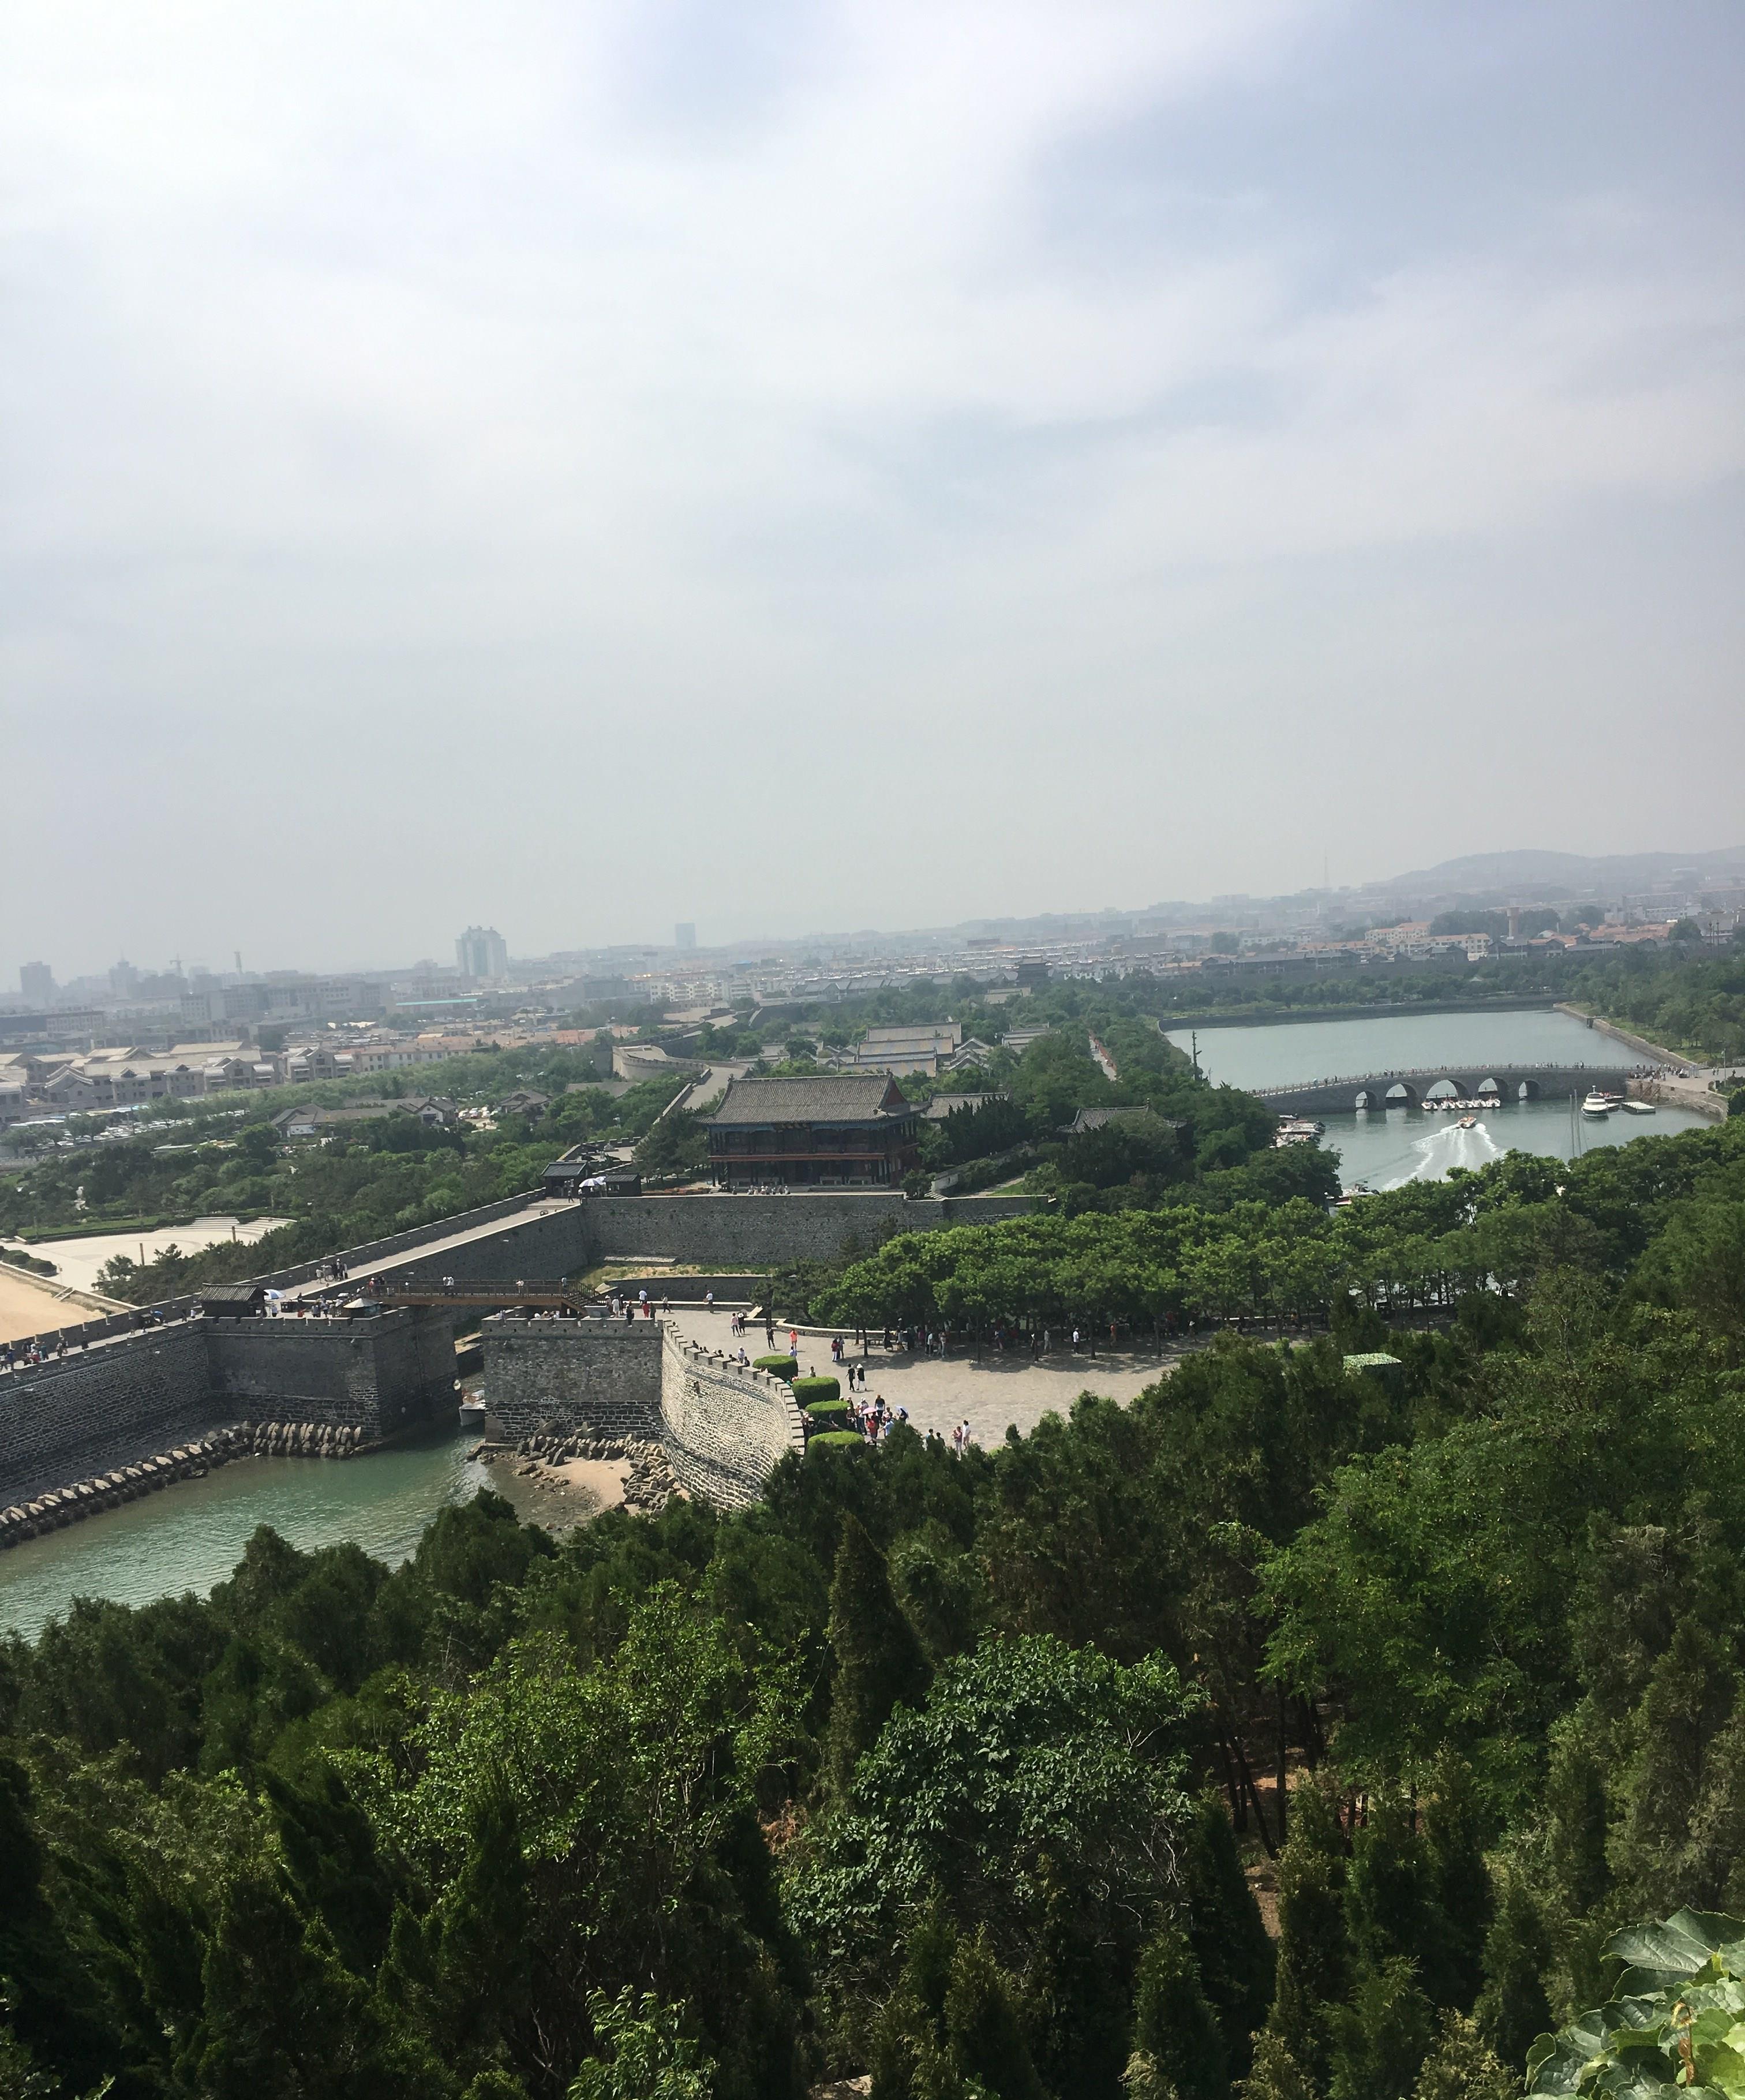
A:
1446,1090
1400,1095
1488,1085
1527,1091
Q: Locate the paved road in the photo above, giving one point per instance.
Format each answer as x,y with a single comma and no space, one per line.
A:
427,1259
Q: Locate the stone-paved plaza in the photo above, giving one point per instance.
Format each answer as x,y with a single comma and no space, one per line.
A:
1000,1389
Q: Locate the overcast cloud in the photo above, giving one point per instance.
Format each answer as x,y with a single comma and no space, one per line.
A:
794,467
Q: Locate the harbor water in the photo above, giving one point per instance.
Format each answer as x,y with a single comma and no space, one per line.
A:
192,1535
1385,1148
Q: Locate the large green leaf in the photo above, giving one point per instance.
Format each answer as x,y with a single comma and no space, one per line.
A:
1676,1949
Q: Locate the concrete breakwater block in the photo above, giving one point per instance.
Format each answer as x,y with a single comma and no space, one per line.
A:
79,1499
299,1440
60,1506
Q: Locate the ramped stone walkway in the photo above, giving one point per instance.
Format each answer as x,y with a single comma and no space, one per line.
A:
940,1392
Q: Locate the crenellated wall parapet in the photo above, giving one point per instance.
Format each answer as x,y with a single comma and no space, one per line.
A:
726,1427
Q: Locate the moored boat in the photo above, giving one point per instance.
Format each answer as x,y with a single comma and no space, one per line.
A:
1596,1105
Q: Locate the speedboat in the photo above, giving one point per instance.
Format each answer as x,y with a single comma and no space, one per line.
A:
1596,1104
1467,1122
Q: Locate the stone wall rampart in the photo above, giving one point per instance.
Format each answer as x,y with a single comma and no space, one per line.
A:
378,1374
724,1427
599,1375
138,1392
113,1407
374,1253
744,1232
138,1395
548,1244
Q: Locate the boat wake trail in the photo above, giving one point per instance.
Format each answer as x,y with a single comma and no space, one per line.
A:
1439,1151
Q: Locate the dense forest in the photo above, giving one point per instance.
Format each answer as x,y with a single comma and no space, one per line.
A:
968,1772
1693,1005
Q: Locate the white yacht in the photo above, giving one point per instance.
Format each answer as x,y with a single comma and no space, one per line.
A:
1596,1104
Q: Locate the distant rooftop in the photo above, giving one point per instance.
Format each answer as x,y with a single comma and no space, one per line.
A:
1130,1118
831,1098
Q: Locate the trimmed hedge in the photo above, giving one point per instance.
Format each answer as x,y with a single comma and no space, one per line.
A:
783,1367
829,1410
808,1390
838,1437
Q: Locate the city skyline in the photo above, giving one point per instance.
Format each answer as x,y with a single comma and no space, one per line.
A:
494,954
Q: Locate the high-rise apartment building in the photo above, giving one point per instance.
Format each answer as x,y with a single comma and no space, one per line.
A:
685,934
482,952
36,980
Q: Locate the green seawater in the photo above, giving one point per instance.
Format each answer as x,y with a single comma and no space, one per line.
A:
191,1534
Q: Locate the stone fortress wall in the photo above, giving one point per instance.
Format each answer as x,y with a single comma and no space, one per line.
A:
80,1415
750,1232
147,1389
723,1426
380,1374
89,1413
602,1375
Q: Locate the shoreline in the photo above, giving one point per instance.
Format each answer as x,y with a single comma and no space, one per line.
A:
1390,1010
1693,1094
1624,1035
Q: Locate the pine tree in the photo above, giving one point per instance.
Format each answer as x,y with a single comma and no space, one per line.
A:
907,2051
485,1988
1575,1811
1387,1890
1077,2012
1690,1696
1512,2008
1314,1956
1452,1967
1382,2036
1226,1931
1175,2031
1461,2067
879,1659
1277,2075
982,2033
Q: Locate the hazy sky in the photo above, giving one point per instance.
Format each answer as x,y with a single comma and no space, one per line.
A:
803,466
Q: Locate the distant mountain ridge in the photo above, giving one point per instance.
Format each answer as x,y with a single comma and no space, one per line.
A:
1534,868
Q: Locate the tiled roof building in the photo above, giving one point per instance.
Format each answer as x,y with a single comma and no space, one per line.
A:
846,1131
1137,1118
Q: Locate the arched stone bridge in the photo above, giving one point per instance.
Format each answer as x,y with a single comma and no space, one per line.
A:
1466,1082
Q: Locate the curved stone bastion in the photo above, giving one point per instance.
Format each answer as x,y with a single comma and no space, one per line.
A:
723,1426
